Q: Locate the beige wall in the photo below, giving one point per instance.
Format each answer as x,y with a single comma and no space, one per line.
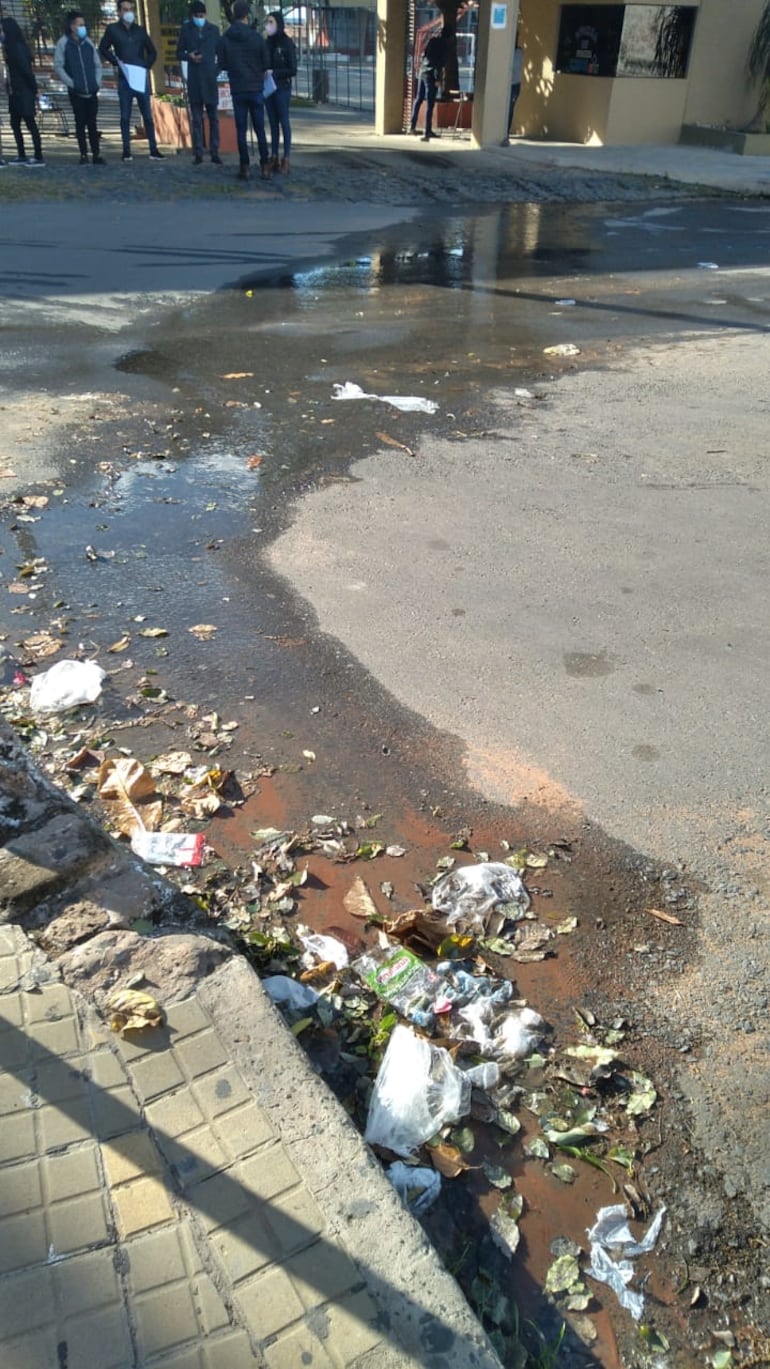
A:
494,64
716,88
567,108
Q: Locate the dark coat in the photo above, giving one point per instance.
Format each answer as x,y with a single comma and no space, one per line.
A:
243,54
201,76
20,78
132,46
433,58
283,56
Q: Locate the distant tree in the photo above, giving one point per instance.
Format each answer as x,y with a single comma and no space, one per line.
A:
758,69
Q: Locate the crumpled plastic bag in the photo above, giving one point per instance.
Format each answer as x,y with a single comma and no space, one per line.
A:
408,404
472,890
67,684
289,993
611,1232
513,1035
417,1186
327,949
418,1090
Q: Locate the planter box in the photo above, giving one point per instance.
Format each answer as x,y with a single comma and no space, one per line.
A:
172,126
728,139
445,113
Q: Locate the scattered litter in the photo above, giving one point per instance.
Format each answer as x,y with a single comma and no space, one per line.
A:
417,1186
289,993
562,349
399,977
203,631
504,1224
471,891
708,266
523,394
417,1091
663,916
609,1233
519,1033
169,848
408,404
132,1010
67,684
486,1076
327,948
565,303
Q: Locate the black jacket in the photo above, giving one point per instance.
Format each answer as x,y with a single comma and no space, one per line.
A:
283,57
243,54
21,83
433,58
132,45
201,76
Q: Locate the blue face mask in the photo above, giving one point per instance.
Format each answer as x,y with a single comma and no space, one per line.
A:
81,30
198,21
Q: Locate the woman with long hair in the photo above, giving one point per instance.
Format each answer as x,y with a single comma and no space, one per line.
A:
22,91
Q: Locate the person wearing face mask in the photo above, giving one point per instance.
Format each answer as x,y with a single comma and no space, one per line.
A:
242,53
283,60
127,44
197,47
78,64
21,86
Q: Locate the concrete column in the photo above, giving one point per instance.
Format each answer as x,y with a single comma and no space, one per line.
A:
494,64
150,13
391,66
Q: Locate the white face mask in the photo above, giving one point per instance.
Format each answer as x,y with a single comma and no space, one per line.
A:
271,26
128,17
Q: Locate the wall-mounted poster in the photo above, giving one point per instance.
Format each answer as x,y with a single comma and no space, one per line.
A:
589,39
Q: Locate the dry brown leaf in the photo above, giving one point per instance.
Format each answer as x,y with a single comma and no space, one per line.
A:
358,901
254,462
394,442
42,644
203,631
34,501
120,645
133,1011
84,758
238,375
128,792
201,805
172,762
448,1160
665,917
153,632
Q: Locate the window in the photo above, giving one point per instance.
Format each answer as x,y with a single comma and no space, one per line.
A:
625,40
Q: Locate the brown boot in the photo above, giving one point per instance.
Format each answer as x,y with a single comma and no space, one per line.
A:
243,172
275,164
285,167
265,171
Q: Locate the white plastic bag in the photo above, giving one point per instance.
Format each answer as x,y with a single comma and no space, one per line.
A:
408,404
418,1090
289,993
325,948
417,1186
611,1233
66,685
472,890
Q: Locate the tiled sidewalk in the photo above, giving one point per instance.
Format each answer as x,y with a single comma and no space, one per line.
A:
149,1215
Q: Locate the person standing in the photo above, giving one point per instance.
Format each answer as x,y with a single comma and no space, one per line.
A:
78,64
243,54
516,72
197,47
126,44
431,67
283,64
21,86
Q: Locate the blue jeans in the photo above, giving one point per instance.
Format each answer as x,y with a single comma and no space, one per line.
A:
126,96
278,114
426,90
196,121
245,107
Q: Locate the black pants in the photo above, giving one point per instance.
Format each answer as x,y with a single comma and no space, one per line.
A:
85,109
17,118
196,122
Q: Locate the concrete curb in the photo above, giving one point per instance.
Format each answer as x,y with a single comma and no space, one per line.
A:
418,1299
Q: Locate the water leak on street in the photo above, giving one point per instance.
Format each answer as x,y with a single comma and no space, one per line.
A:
233,417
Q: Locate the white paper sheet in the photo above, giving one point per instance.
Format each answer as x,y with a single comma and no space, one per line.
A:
136,76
